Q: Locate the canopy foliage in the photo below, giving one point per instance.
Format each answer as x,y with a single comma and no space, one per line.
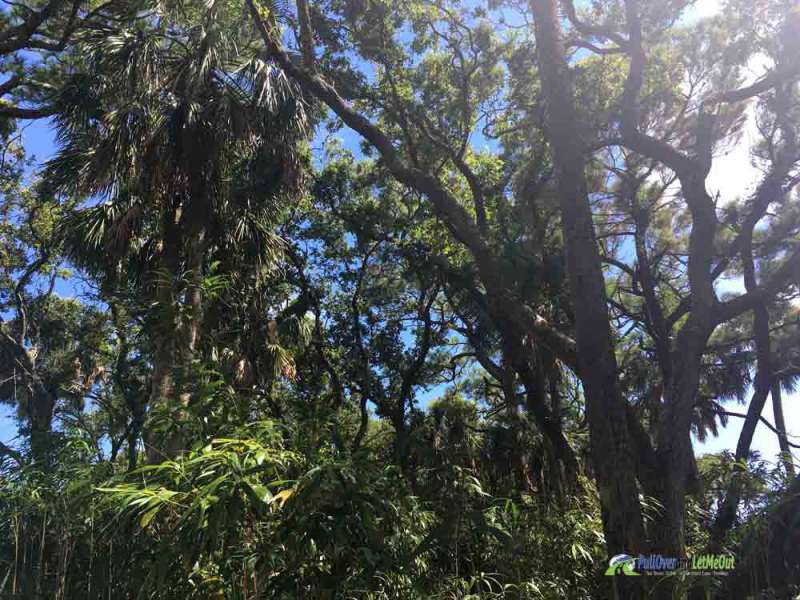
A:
397,298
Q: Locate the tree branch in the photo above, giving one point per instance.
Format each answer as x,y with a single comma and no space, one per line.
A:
453,215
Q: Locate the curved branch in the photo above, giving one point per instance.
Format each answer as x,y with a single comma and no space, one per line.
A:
453,215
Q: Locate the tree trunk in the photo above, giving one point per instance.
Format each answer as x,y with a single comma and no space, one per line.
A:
40,417
675,454
780,425
597,366
761,387
162,381
520,358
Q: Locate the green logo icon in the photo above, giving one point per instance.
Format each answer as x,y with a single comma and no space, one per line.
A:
622,564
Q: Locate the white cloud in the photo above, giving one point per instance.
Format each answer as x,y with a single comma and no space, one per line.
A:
707,8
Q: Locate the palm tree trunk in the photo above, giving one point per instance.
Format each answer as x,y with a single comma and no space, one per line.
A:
162,381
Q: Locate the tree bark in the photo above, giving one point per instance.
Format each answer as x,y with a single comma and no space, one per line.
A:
675,454
40,416
780,425
606,413
761,388
41,396
162,381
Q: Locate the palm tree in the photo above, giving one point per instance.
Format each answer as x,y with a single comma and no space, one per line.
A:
190,142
